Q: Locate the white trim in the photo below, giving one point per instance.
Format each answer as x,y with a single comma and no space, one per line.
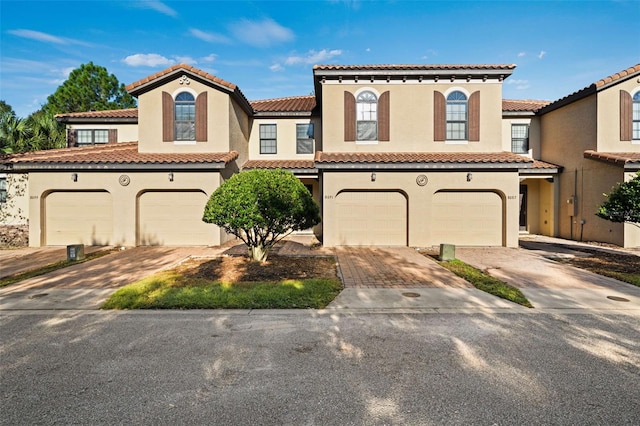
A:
633,92
184,142
366,89
456,89
456,142
184,89
367,142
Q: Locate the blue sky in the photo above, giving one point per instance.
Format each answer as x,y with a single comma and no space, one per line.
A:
268,48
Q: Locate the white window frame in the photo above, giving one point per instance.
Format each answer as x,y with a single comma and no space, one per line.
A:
93,137
635,116
274,139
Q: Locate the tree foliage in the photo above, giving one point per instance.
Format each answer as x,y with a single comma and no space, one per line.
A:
38,131
261,207
623,203
89,88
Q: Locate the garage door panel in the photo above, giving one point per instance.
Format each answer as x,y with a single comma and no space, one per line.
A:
467,218
78,218
174,218
371,218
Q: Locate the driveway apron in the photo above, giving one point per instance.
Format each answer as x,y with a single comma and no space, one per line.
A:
549,284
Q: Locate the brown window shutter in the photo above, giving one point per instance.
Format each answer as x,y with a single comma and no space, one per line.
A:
439,117
474,117
626,117
383,117
167,118
349,117
72,138
201,117
113,135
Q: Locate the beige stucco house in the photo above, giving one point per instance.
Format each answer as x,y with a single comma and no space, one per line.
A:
413,155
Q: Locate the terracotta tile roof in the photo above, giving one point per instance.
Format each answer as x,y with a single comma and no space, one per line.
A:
523,105
279,164
113,113
185,67
415,67
618,75
116,153
421,157
592,88
620,158
537,164
290,104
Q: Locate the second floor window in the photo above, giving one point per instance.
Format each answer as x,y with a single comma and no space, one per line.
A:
92,137
456,116
268,139
367,117
520,138
304,138
3,189
185,117
636,116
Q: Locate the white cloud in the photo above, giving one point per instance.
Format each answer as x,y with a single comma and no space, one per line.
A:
208,37
158,6
520,84
313,57
147,60
276,67
261,33
185,60
542,54
368,49
209,58
45,38
521,54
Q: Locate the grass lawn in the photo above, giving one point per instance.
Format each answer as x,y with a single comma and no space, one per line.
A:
486,282
235,283
12,279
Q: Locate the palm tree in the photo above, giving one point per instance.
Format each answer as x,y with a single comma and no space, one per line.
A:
46,132
14,133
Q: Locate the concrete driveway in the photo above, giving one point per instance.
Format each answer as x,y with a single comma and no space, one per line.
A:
86,285
549,284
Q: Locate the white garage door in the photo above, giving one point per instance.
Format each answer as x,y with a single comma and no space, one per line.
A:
173,219
371,218
78,218
467,218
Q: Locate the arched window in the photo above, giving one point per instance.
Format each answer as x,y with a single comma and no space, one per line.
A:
367,116
636,116
457,116
185,117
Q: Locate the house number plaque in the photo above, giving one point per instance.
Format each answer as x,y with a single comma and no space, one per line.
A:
124,180
422,180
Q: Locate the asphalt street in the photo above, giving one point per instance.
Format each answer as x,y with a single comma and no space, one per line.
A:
314,368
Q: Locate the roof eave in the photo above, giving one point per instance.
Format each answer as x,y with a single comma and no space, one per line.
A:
91,120
423,166
99,166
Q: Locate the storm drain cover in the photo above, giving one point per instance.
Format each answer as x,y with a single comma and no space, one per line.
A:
411,294
618,299
39,295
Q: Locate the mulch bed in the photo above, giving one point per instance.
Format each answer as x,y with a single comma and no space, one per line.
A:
242,269
613,262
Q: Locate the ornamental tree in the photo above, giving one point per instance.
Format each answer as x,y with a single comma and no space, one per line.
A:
261,207
623,204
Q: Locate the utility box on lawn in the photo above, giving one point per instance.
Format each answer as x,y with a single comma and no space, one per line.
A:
75,252
447,252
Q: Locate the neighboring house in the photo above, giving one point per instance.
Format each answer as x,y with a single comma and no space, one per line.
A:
595,134
412,155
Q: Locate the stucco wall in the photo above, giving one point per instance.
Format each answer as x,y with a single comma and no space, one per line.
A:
534,134
126,132
124,198
412,117
16,210
150,119
609,118
420,198
286,139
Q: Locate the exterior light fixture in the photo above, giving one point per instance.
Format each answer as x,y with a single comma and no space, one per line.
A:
74,177
373,177
469,177
170,176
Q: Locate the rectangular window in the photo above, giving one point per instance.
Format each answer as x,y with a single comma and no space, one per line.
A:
367,121
520,138
3,189
304,138
268,137
456,121
92,137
